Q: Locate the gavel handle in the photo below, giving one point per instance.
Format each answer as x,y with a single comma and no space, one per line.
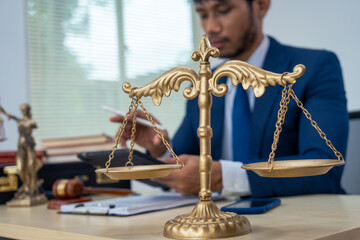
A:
113,191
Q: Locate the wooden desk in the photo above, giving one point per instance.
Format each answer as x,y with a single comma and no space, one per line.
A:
302,217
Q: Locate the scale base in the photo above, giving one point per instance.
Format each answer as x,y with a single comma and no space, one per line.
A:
27,201
206,221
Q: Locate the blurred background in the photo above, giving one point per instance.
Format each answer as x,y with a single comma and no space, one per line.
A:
68,58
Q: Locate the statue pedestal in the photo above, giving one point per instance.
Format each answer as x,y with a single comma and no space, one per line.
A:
27,201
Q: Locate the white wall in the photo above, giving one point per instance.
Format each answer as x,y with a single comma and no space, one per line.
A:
329,24
326,24
13,69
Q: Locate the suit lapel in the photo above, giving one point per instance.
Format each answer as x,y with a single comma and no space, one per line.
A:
276,61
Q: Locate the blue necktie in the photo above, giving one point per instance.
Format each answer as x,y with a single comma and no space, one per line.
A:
241,118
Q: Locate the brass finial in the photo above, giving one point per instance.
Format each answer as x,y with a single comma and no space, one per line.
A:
205,50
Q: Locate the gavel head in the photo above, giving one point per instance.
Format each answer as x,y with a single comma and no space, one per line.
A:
67,188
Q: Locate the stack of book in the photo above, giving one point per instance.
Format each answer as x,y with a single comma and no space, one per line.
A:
9,157
66,149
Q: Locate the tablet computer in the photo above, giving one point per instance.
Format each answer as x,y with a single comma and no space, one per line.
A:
98,160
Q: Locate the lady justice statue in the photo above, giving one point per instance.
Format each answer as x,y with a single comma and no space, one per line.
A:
26,161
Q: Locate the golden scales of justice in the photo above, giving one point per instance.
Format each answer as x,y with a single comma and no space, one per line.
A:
206,220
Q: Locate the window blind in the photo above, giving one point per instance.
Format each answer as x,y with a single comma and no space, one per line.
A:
80,52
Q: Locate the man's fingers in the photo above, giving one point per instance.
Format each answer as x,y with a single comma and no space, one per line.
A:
164,180
116,118
123,143
167,160
156,140
116,135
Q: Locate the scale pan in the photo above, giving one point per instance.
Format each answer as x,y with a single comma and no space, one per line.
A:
294,168
139,172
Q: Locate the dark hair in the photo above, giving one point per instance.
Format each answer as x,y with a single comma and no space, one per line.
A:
200,1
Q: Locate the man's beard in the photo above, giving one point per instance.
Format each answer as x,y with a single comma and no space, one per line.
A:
247,40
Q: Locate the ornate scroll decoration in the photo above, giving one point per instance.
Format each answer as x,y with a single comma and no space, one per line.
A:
250,76
170,80
205,50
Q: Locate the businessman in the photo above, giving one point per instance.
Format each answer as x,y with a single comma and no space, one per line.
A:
235,27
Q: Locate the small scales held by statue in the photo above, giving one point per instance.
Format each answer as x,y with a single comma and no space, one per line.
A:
27,163
206,220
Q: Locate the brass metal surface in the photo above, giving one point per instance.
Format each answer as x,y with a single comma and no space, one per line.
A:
206,220
251,76
27,163
121,131
139,172
102,178
170,80
61,192
293,168
27,201
10,182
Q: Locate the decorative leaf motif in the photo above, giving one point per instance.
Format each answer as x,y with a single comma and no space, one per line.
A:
170,80
250,76
205,50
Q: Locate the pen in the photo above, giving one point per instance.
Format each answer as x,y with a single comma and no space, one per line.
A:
138,120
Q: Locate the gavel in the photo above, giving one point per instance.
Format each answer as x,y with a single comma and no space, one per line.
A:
71,188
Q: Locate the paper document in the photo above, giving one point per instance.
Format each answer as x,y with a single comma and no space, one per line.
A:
131,205
141,121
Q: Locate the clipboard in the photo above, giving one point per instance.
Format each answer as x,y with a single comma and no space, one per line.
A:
132,205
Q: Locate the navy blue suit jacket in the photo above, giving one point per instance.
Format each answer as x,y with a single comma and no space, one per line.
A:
321,89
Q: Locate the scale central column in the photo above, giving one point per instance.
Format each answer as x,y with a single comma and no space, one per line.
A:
205,221
204,132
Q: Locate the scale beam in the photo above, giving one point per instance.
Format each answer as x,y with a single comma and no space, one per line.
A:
250,76
171,80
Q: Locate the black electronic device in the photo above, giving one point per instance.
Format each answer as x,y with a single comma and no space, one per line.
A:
252,205
98,160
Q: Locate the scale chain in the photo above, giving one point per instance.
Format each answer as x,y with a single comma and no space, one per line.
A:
111,156
167,145
286,93
281,119
132,138
134,106
315,125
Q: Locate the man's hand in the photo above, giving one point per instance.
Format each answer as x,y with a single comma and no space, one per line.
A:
186,181
145,136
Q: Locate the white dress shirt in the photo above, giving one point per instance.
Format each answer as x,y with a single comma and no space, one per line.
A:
234,178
